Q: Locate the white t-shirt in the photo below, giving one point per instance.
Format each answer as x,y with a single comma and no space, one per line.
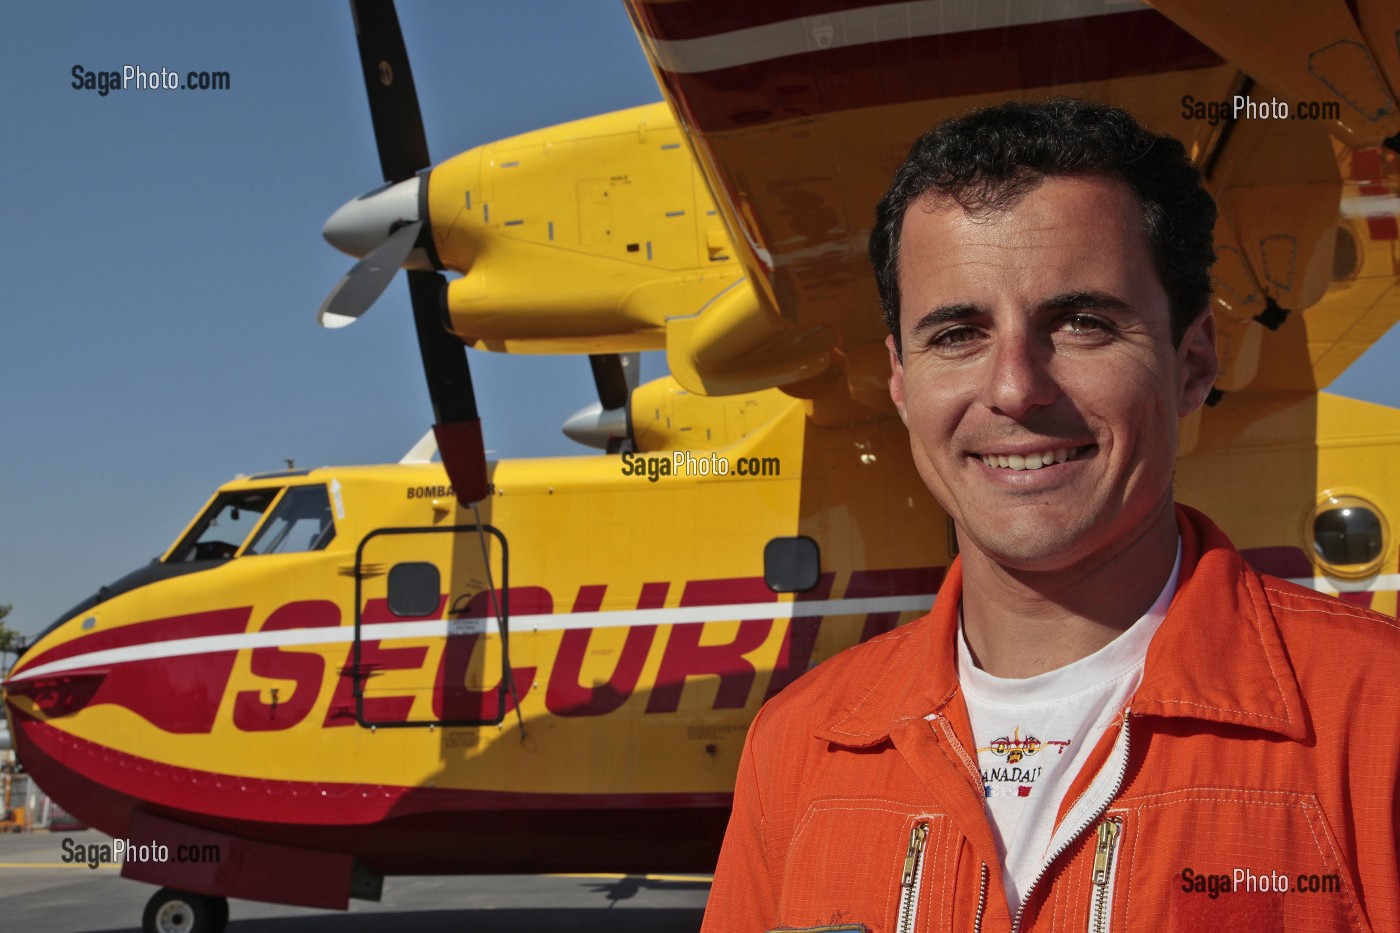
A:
1034,734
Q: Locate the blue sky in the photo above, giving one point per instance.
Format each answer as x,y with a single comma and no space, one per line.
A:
162,260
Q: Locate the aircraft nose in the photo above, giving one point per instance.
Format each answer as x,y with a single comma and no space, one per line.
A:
359,226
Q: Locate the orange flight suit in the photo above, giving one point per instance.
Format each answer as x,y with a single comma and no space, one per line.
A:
1264,738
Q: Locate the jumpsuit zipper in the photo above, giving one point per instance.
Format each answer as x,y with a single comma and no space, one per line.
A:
981,901
913,874
1069,840
1102,904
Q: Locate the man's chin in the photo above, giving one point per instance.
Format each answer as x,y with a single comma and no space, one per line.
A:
1040,546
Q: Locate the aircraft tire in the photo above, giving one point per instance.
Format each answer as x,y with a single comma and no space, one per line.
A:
220,913
173,911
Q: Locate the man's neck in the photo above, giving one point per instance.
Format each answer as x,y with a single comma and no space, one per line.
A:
1023,623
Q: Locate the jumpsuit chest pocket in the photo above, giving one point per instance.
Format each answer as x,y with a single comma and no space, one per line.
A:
885,866
1232,859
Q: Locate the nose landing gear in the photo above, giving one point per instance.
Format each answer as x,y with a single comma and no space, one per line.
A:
172,911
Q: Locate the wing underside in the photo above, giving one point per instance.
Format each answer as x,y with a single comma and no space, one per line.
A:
799,112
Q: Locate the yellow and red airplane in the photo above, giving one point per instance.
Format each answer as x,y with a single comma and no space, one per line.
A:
339,674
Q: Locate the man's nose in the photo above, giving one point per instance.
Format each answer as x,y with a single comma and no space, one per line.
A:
1019,377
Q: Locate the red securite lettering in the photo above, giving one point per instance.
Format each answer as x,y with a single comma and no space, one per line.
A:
685,657
453,699
374,659
799,641
565,695
305,668
904,581
462,689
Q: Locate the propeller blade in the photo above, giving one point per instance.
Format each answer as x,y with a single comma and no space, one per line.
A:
367,279
457,425
393,100
611,377
403,152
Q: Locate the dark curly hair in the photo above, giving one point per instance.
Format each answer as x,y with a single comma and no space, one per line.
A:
988,159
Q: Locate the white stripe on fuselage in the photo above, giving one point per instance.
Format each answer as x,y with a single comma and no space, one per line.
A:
557,621
890,22
1381,583
441,628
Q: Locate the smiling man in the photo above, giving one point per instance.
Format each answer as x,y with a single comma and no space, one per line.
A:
1107,713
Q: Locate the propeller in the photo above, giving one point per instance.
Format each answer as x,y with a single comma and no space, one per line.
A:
368,278
606,423
386,226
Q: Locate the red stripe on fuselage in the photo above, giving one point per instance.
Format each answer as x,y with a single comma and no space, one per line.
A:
331,803
178,695
173,628
426,831
1284,561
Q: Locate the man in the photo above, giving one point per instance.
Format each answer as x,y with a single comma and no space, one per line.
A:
1107,717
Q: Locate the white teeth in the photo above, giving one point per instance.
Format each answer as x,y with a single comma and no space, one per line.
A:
1027,461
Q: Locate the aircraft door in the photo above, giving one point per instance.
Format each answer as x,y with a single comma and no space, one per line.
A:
431,627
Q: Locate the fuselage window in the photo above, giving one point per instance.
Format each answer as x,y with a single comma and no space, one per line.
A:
224,526
1349,535
300,522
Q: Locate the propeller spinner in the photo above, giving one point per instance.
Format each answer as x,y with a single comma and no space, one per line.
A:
387,227
607,423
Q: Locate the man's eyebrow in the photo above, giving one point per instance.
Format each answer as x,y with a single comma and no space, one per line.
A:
944,315
1083,300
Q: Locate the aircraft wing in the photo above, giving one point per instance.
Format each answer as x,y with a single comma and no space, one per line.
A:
799,113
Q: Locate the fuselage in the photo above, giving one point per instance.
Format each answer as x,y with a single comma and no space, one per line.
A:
319,662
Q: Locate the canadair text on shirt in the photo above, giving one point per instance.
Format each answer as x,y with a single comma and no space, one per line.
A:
1014,749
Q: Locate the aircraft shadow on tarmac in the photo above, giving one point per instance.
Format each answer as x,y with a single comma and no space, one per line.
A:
627,888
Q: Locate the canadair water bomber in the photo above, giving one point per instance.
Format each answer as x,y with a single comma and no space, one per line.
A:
340,674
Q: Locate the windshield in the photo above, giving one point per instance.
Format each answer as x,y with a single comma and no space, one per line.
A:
300,522
224,526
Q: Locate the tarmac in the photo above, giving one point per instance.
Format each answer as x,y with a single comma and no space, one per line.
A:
39,893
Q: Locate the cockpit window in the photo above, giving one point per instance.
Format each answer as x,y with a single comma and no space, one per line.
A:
224,526
300,522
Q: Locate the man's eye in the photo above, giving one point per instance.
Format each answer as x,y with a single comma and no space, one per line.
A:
954,335
1084,324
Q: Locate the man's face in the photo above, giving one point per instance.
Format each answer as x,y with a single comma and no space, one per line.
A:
1043,329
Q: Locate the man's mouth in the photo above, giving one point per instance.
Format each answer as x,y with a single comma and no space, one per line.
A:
1034,461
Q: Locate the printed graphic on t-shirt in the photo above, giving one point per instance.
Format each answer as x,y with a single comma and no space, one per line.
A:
1013,769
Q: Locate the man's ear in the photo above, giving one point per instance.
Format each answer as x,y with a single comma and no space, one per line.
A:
896,378
1198,363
